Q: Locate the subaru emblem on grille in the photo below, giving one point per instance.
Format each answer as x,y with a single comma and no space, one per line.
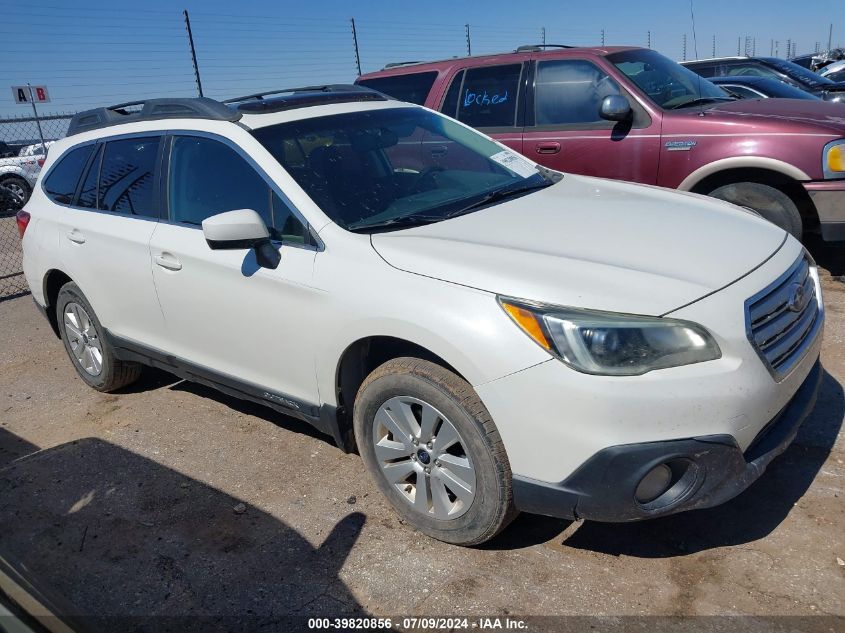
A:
796,299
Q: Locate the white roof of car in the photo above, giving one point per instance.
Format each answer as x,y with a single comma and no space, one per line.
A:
832,68
255,121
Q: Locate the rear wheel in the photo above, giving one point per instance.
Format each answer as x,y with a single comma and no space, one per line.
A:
434,452
772,204
82,334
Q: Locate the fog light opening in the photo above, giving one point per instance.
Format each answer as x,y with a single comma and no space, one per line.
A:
656,482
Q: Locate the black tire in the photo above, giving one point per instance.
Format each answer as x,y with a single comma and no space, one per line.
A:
492,506
20,189
114,373
773,204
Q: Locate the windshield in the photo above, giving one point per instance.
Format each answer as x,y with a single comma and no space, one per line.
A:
668,84
796,72
377,167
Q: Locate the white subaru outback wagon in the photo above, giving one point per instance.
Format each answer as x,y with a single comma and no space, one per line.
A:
490,335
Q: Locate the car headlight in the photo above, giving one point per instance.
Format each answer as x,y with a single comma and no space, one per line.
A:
833,159
610,344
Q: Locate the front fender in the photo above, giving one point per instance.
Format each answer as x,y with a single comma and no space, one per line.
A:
742,162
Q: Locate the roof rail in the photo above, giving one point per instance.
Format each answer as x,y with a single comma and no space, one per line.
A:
304,97
152,110
533,48
323,88
398,64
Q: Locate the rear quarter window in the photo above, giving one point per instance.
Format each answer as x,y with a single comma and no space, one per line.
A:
413,88
61,183
488,96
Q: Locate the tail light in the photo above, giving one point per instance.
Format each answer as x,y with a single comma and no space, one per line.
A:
22,218
41,162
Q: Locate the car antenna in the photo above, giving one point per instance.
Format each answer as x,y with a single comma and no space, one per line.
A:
695,50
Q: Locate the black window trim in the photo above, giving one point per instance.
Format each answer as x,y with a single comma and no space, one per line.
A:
89,165
642,119
317,245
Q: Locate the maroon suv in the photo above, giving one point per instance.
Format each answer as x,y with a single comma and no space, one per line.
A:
633,114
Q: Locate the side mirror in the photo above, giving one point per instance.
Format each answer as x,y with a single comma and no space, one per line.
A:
241,229
615,108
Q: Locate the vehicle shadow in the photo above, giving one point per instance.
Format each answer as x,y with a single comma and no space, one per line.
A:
13,447
132,545
751,516
828,255
153,378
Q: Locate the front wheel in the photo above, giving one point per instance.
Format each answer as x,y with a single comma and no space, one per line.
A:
429,443
19,190
772,204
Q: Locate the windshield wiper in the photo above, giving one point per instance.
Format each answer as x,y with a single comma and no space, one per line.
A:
404,221
421,219
497,196
701,101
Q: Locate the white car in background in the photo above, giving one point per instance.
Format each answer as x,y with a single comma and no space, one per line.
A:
835,67
491,335
18,174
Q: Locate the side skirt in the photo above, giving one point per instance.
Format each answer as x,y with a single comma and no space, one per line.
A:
323,418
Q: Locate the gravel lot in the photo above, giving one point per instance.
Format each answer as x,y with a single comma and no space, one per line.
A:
172,499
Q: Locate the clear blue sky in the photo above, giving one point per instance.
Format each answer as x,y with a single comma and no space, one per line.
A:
94,53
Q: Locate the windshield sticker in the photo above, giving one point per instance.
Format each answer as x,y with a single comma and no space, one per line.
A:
516,163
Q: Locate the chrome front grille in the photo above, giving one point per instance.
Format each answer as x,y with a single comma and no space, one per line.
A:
785,318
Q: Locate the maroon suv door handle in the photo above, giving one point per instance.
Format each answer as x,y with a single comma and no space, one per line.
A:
548,148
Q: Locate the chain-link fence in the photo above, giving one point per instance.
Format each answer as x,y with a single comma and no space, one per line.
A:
22,155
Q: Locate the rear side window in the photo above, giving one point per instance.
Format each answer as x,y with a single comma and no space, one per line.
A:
127,177
60,185
208,177
413,88
488,96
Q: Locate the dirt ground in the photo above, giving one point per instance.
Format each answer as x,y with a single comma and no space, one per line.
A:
174,500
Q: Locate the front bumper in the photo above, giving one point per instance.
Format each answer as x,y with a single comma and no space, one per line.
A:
709,470
829,199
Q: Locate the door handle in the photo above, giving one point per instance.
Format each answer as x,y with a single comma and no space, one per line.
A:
166,260
76,236
548,148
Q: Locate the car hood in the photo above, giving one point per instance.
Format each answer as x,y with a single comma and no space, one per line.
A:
812,112
589,242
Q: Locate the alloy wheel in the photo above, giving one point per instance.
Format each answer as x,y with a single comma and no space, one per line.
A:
83,339
422,455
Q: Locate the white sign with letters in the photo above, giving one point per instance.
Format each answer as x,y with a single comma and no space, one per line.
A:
30,94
